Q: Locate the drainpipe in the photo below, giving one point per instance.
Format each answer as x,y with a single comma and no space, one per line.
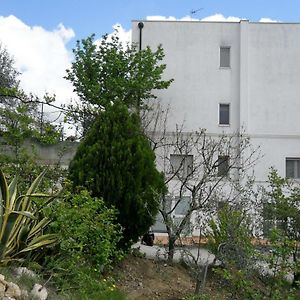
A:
140,25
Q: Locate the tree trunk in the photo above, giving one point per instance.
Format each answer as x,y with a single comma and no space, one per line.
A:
296,279
198,286
171,251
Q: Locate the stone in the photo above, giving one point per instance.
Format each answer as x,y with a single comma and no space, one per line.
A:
12,290
24,271
24,294
39,292
2,288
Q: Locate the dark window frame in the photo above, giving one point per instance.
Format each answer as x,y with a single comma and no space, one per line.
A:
225,57
224,120
185,167
295,161
223,165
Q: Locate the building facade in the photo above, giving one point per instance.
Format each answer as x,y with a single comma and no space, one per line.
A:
230,77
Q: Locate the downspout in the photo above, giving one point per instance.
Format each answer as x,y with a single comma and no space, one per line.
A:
141,26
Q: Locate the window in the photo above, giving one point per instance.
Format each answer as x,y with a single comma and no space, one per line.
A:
180,212
181,165
159,225
292,167
183,205
224,110
223,165
224,57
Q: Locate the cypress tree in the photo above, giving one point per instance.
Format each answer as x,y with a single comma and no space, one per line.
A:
115,161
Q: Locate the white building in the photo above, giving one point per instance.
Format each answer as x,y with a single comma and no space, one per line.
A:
230,76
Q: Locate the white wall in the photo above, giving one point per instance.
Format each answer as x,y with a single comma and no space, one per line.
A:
262,85
192,59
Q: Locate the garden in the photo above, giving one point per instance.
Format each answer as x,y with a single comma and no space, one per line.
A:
68,233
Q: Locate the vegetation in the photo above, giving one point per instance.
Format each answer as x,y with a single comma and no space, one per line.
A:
230,237
88,237
86,230
254,274
106,72
116,192
115,162
21,120
205,169
281,207
22,222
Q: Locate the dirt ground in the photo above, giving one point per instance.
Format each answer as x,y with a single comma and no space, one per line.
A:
146,279
142,278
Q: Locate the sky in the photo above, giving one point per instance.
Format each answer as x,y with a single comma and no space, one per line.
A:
40,34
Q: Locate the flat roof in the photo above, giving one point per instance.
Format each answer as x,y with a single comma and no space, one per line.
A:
223,22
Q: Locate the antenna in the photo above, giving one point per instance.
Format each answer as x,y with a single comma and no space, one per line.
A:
194,11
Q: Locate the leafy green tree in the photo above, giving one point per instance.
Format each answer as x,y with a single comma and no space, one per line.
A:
115,162
282,206
106,72
20,119
8,74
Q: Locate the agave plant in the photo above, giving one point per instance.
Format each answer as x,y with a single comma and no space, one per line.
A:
21,227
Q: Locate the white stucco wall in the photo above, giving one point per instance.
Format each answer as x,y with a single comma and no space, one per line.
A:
262,85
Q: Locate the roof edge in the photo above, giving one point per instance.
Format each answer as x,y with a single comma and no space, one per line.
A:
222,22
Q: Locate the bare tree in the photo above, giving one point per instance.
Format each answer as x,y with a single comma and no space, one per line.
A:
202,171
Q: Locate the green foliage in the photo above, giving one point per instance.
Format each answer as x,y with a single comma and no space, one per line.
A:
282,206
26,168
115,162
21,120
88,238
21,221
107,72
86,230
230,241
279,261
230,237
8,74
19,113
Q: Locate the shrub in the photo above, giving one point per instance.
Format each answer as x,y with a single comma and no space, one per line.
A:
115,162
88,236
230,237
86,229
22,223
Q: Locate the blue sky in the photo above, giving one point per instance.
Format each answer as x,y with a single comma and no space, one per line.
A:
96,16
40,34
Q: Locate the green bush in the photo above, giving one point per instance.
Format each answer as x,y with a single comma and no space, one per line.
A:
230,241
230,237
86,229
115,162
88,236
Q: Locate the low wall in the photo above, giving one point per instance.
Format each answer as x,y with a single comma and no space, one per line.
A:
61,153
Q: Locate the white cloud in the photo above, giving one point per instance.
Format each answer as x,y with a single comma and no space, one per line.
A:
123,34
40,55
170,18
268,20
212,18
221,18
